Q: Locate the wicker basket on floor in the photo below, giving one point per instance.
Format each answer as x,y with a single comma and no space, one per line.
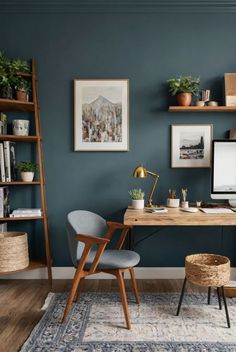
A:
14,254
207,269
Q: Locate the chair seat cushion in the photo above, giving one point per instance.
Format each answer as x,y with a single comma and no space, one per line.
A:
114,259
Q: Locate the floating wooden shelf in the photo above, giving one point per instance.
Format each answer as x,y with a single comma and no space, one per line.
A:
34,264
13,138
22,218
16,105
19,183
202,109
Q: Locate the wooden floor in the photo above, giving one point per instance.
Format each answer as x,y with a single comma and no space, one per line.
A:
21,300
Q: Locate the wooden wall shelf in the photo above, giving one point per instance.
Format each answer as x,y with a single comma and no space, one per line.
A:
22,218
19,183
16,105
13,138
202,109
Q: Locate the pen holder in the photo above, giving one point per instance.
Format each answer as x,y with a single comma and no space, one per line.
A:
172,202
184,204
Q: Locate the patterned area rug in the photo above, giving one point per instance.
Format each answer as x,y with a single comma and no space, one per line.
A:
96,323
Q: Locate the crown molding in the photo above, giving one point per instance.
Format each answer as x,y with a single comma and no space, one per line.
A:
117,6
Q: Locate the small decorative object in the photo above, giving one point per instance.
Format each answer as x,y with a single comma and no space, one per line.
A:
3,120
184,88
191,145
14,254
205,95
27,170
184,203
212,103
137,196
20,127
230,89
142,172
22,87
101,115
200,103
198,203
172,201
232,133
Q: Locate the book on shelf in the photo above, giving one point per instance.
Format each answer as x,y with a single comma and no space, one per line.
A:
26,212
3,123
4,202
2,163
8,161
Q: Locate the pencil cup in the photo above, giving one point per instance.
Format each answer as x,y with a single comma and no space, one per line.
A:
172,202
184,204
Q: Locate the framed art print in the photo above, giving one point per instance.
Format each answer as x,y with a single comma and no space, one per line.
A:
101,115
191,145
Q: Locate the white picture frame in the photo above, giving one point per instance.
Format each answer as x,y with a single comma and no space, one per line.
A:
101,115
191,145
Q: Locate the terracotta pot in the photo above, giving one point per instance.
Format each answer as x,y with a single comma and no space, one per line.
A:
22,95
184,99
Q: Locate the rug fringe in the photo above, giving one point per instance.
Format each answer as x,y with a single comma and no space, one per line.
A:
47,300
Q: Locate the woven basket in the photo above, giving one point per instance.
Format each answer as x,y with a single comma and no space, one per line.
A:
207,269
14,254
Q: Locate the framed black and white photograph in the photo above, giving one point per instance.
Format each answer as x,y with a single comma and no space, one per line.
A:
101,115
191,145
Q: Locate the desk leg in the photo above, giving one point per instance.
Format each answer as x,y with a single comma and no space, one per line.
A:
131,239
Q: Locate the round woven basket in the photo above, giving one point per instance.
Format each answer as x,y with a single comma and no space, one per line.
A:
14,254
207,269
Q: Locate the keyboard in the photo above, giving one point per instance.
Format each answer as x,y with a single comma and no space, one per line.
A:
217,210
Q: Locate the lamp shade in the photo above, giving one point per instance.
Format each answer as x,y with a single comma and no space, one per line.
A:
140,171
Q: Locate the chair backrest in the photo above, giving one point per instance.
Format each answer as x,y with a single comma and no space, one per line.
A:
85,223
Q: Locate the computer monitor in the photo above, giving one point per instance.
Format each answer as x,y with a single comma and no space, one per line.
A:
223,182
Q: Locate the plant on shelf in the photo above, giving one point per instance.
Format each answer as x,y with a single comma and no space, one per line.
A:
27,170
19,66
5,86
184,87
22,88
137,196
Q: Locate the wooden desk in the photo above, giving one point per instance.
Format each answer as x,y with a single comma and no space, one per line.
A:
176,217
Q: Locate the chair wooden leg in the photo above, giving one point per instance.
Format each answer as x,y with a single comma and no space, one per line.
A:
75,284
134,285
79,289
121,284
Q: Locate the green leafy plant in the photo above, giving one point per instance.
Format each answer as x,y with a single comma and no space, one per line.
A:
27,166
5,63
4,80
136,194
186,84
19,66
22,84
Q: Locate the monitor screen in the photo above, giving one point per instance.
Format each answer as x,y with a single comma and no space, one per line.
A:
224,169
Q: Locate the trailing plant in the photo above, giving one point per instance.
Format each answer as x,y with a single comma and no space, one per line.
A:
27,166
186,84
22,84
136,194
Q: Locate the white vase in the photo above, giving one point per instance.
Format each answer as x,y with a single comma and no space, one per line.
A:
27,176
138,204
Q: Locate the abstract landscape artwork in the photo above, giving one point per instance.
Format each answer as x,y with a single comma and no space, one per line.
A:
191,145
101,115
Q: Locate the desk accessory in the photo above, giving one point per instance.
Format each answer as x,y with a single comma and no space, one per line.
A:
189,210
216,211
172,201
142,172
137,196
184,203
156,210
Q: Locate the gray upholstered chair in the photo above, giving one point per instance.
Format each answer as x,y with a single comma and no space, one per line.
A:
88,235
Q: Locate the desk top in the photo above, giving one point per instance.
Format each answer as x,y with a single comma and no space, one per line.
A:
176,217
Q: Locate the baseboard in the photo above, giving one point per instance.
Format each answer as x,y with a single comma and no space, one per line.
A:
141,273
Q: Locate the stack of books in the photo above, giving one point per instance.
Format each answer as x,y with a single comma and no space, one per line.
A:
26,212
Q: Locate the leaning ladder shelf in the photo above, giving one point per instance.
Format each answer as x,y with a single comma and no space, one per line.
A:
15,105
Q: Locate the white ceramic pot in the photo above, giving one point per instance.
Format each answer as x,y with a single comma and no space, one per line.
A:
138,204
27,176
21,127
173,203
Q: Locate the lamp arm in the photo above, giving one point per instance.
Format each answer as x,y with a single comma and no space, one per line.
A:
153,187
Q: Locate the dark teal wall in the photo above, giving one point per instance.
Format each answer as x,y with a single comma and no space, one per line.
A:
148,49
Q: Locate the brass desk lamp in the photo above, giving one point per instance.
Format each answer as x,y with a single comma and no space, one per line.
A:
142,172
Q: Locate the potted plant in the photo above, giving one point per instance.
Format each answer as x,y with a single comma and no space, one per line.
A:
27,170
184,88
137,196
5,86
19,66
22,87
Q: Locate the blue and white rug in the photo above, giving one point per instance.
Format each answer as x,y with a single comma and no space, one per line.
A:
96,324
